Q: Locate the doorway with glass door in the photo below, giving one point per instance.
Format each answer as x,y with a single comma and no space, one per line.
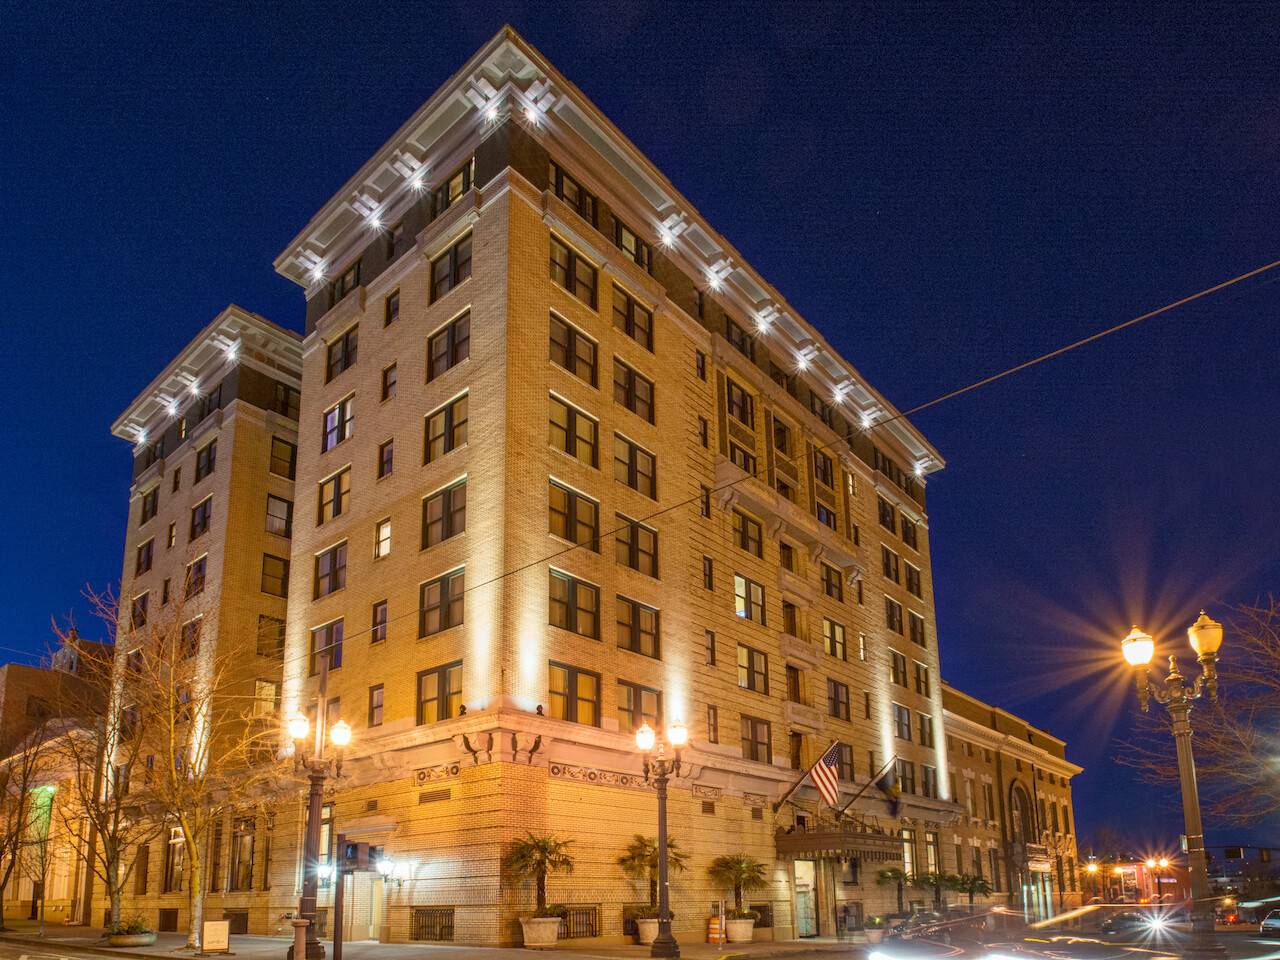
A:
806,899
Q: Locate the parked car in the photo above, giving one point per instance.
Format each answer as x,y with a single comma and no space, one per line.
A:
1270,923
1127,922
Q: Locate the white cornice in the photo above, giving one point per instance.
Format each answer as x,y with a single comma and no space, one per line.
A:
234,336
509,79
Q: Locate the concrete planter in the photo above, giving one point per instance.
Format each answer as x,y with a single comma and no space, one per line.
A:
130,939
646,931
740,931
540,932
874,935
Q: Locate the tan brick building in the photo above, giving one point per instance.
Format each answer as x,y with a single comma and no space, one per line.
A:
512,569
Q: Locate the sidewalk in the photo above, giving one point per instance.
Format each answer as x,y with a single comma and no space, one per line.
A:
245,947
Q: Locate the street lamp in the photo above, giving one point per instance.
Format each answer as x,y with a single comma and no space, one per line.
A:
1092,869
317,766
1177,695
664,945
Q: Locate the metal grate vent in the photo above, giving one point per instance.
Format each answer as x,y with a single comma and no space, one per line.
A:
431,796
708,806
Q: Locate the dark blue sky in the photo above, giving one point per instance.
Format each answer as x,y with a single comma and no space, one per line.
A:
944,190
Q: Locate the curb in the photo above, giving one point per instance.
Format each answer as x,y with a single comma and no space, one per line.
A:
49,945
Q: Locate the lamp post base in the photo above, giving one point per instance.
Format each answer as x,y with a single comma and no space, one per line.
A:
667,947
303,945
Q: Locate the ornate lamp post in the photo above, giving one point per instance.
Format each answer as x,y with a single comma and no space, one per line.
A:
1092,870
1177,695
662,769
317,766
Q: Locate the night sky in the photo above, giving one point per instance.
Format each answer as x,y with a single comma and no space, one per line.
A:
944,190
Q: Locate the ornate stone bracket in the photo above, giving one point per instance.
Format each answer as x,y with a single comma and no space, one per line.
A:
521,741
481,751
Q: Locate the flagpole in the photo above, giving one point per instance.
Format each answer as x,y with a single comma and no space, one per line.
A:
796,786
883,770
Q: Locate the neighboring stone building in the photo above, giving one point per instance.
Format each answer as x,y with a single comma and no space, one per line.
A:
1013,782
474,509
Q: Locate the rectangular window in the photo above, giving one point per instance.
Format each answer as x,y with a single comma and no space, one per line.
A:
440,603
150,505
756,740
275,575
889,564
790,619
279,516
574,694
630,244
574,605
833,638
573,272
634,466
708,576
826,516
378,629
444,514
741,458
574,517
266,698
574,432
832,582
270,637
704,502
638,705
929,783
330,571
905,771
448,193
440,693
287,401
704,436
823,469
901,722
844,762
326,640
866,704
888,515
138,615
713,724
837,699
753,669
206,460
191,637
388,382
164,591
638,628
709,647
787,556
397,241
339,420
700,364
738,339
341,353
449,346
573,350
633,319
451,268
201,514
922,679
335,494
446,429
820,409
284,458
571,192
917,628
142,562
633,390
746,533
893,614
386,457
925,724
785,490
741,404
909,533
636,546
375,705
344,283
177,479
897,668
748,599
382,538
391,310
913,581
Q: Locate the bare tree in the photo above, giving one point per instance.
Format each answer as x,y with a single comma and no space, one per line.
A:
22,769
1234,739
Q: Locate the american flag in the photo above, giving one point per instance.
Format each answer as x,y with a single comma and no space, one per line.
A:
824,776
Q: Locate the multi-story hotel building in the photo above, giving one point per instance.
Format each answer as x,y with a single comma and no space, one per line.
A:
567,464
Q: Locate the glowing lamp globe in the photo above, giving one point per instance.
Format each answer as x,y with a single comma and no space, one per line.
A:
1164,862
341,733
1138,648
385,866
1151,863
1092,868
678,734
644,737
1205,635
299,726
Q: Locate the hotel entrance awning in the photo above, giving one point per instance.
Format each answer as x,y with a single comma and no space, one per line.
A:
845,841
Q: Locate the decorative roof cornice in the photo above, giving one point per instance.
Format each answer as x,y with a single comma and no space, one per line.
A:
234,336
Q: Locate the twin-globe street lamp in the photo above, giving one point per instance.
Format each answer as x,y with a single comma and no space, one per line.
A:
664,945
317,767
1152,863
1177,695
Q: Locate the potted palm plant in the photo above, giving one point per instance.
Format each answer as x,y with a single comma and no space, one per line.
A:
536,857
971,884
739,872
132,932
641,862
899,878
874,929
